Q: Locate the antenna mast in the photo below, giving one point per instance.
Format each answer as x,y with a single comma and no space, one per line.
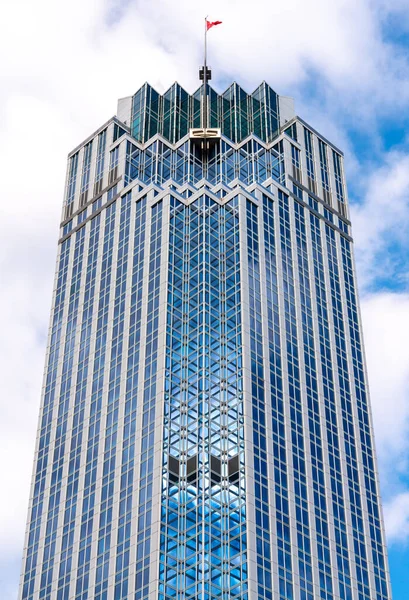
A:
204,135
205,78
205,75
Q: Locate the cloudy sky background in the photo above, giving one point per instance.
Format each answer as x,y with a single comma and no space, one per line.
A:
62,68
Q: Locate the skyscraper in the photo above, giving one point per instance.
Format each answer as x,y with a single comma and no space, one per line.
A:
205,429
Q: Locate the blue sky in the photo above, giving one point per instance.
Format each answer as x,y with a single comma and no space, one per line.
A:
63,67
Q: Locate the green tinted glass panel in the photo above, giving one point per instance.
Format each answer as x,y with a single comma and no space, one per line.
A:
235,112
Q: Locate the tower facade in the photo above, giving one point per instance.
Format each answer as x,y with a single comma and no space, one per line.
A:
205,428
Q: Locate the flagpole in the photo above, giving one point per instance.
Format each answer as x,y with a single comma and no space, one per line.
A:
205,78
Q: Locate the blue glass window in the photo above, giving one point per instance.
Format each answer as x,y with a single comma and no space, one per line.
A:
72,179
324,171
86,167
309,156
99,172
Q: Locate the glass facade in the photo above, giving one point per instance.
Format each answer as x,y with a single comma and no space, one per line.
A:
203,550
205,428
158,162
235,112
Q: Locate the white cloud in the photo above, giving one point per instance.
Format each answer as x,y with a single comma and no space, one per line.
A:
380,228
396,515
386,331
382,218
63,67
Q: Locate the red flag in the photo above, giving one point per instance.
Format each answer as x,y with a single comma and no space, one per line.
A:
210,24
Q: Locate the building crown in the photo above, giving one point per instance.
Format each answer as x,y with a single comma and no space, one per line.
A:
235,112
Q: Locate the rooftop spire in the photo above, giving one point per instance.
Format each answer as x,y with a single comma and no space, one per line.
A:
205,74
